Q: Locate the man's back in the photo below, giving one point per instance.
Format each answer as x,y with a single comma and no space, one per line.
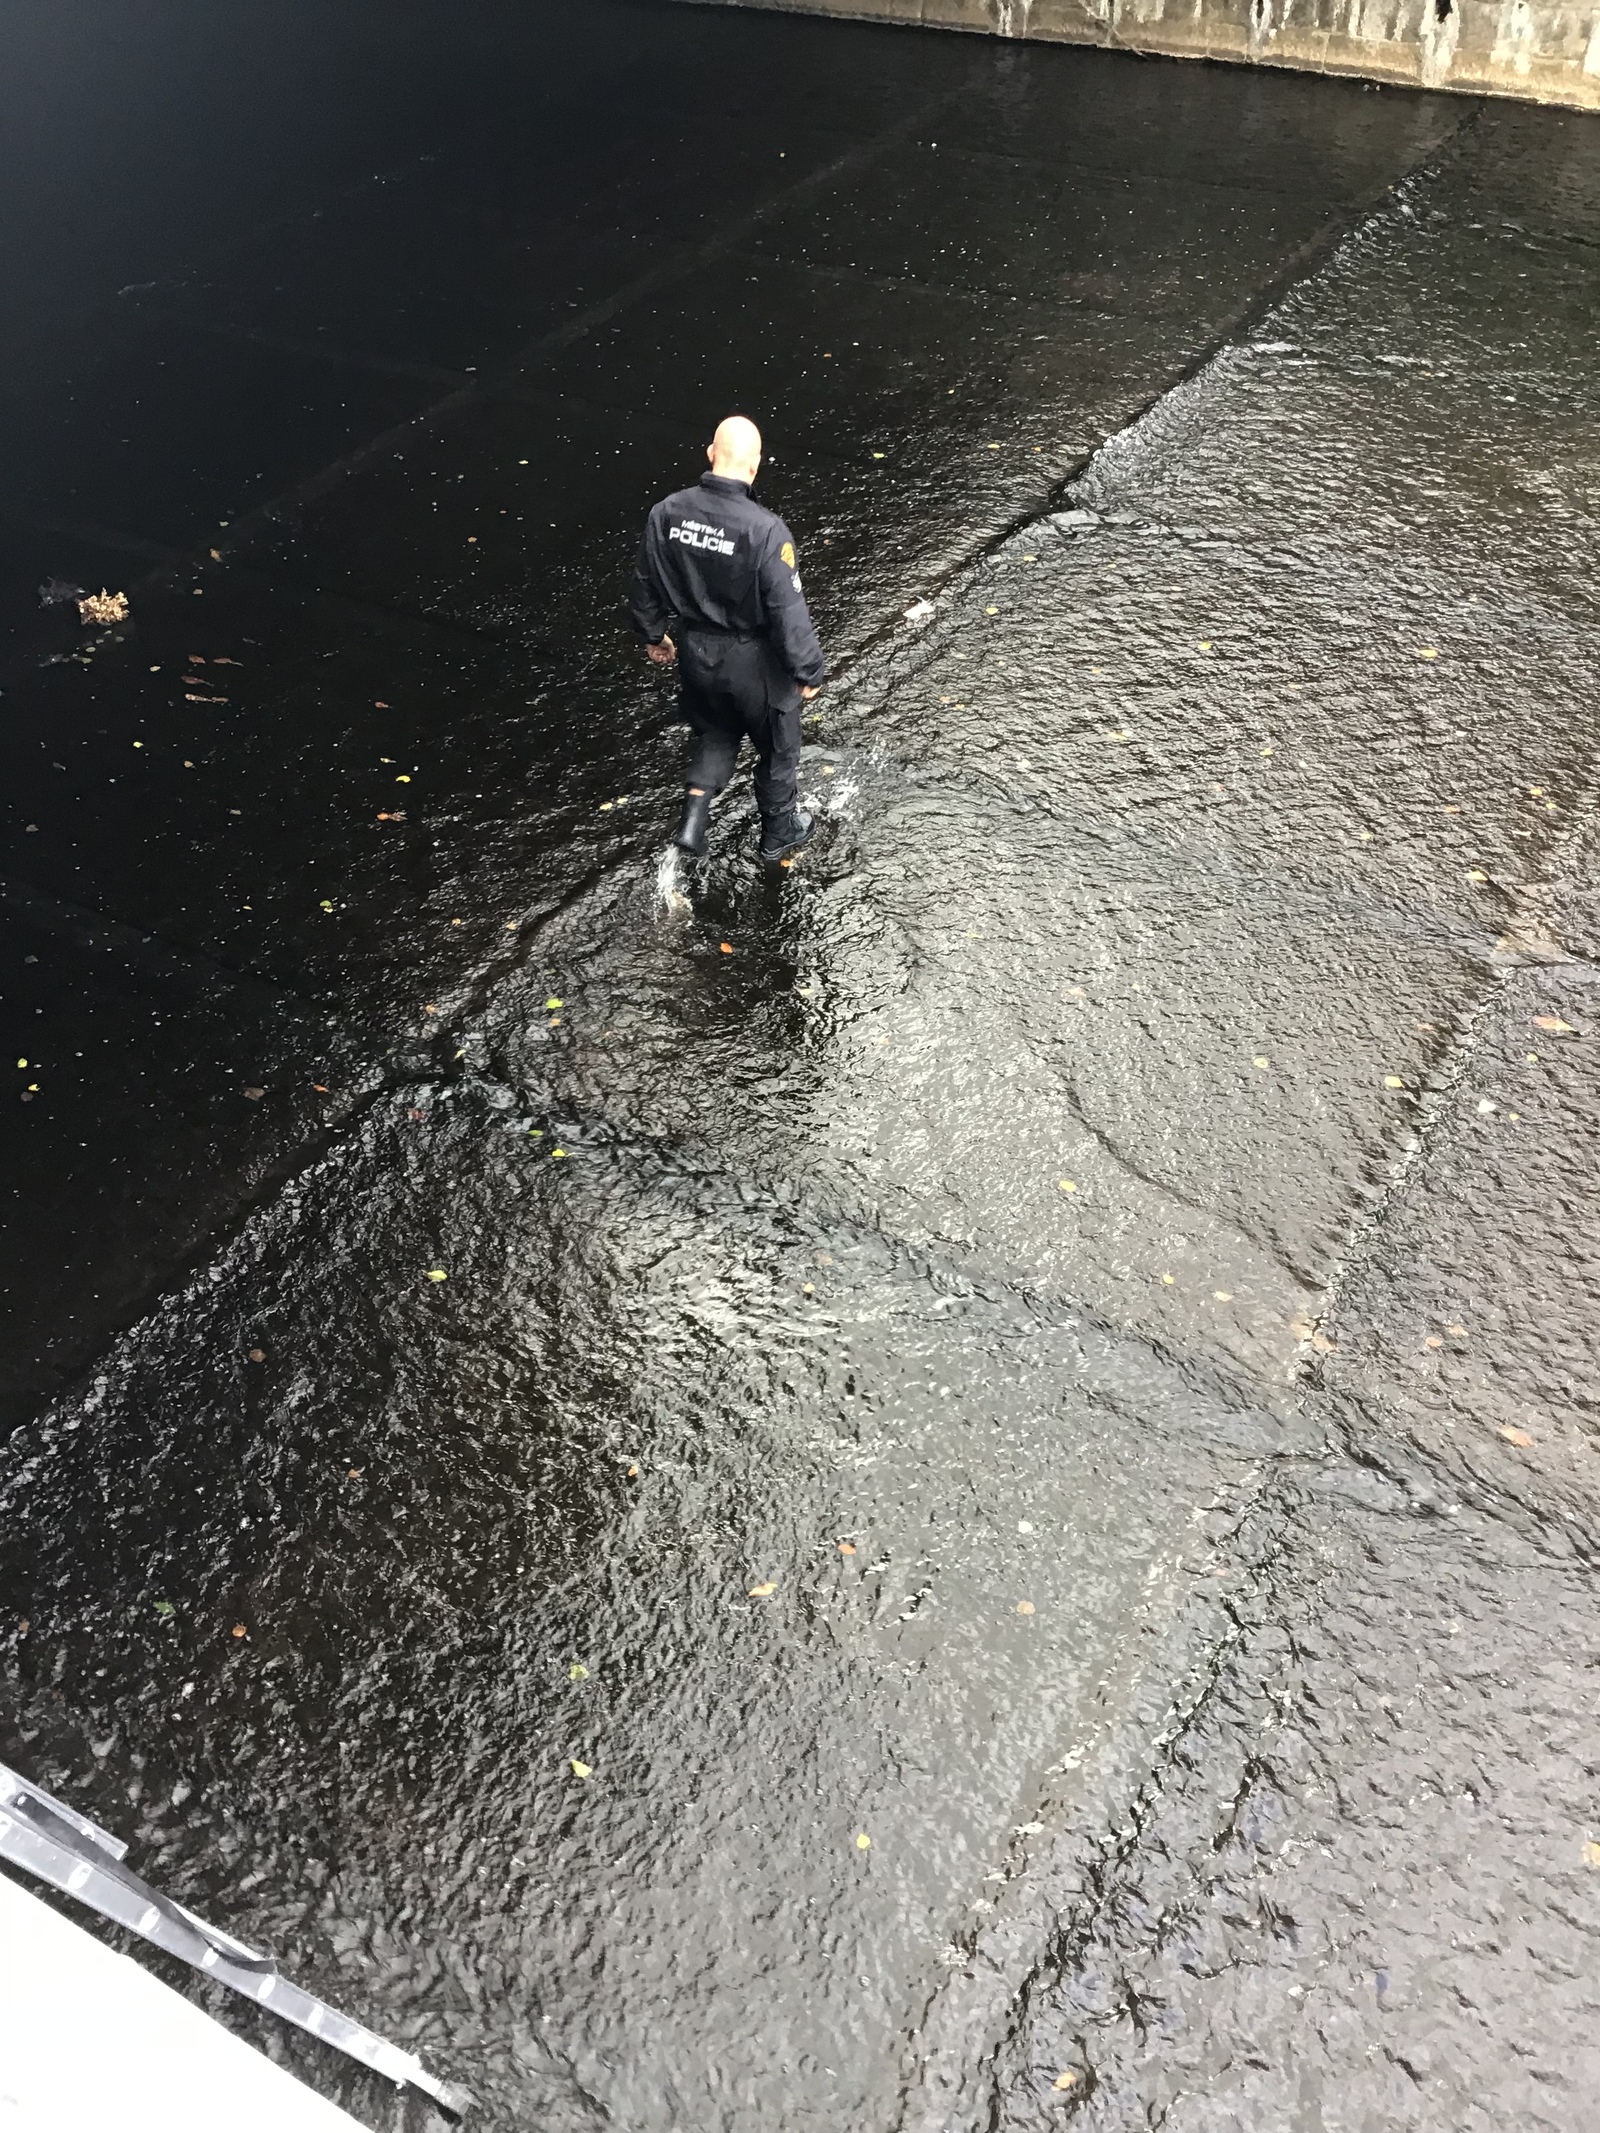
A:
726,569
719,561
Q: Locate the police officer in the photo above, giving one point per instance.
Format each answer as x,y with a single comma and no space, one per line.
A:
725,567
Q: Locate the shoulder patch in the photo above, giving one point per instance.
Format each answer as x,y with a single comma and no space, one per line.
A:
786,553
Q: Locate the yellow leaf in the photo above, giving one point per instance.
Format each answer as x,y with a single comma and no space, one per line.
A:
762,1592
582,1770
1476,874
1393,1081
1591,1854
1515,1436
403,779
558,1155
1223,1296
1555,1025
1068,2079
1067,1184
437,1273
863,1842
553,1003
1426,651
1025,1607
577,1672
1258,1061
991,611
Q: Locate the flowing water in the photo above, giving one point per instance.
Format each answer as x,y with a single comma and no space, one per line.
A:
948,1487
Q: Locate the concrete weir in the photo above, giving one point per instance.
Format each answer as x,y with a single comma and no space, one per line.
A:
1539,50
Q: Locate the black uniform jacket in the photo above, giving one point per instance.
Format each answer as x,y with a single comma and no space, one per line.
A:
719,561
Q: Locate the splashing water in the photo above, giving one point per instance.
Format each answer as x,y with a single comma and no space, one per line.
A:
671,895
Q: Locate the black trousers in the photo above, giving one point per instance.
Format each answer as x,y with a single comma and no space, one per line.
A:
734,690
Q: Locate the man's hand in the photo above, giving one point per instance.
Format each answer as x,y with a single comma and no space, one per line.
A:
807,694
662,654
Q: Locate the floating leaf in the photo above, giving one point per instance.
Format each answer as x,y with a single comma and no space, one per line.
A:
1476,874
863,1841
437,1273
1515,1436
1067,1184
1555,1025
581,1770
1223,1296
577,1672
1068,2078
1261,1062
1393,1081
762,1592
847,1547
239,1630
1591,1853
165,1607
1427,651
1025,1607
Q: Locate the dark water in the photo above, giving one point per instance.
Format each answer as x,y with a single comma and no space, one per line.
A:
1081,1249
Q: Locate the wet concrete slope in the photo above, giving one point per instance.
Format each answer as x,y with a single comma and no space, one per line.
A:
885,1499
1353,1884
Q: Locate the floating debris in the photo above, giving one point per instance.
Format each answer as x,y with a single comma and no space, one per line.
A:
104,608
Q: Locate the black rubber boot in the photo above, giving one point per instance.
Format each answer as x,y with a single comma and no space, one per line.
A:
690,834
787,834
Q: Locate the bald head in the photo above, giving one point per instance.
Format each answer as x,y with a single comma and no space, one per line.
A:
735,451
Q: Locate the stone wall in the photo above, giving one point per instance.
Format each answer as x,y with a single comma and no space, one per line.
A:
1542,50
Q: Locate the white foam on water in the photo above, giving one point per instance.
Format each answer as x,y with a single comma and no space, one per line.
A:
671,895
